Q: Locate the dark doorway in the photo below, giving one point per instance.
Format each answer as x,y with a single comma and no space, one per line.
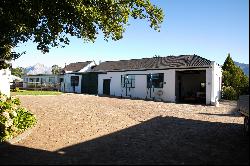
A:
74,82
106,86
89,83
190,86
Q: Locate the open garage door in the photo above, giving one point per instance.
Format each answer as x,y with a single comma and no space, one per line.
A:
190,86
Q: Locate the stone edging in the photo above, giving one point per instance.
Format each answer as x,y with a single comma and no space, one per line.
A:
19,137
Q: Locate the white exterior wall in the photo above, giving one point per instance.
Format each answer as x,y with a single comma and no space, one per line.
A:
5,81
115,83
66,84
216,86
140,90
209,80
213,84
169,89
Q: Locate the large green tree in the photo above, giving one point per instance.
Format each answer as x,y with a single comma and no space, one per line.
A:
18,71
55,69
47,22
235,82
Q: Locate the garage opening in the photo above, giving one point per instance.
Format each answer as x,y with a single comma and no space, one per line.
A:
190,86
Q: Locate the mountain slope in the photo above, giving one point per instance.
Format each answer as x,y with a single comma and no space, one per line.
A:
244,67
38,69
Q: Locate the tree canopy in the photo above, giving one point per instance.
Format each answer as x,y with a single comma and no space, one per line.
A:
19,71
235,82
55,69
47,22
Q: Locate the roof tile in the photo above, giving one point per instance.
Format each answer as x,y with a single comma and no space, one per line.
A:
75,67
154,63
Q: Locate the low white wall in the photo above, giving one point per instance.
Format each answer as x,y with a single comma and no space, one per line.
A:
5,81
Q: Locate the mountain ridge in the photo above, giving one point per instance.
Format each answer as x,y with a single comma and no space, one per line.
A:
37,69
243,66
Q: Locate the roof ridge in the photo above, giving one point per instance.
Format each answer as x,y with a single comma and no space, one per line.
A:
149,58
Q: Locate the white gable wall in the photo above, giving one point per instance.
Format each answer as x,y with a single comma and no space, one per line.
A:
88,67
5,75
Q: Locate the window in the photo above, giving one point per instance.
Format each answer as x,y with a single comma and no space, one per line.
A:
37,79
155,80
51,80
74,80
128,81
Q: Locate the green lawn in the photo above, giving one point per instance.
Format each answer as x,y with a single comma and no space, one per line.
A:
35,92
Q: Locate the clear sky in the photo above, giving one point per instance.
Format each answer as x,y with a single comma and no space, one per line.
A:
208,28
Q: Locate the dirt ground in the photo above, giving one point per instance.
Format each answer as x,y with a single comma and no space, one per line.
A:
87,129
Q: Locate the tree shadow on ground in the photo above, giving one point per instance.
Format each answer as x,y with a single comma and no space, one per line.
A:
161,140
154,100
230,114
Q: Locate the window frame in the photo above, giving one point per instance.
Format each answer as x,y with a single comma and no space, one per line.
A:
130,79
155,80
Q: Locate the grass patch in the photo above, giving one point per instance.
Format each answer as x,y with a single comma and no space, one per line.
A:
34,92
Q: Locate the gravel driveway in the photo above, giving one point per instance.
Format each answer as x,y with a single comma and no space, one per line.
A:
87,129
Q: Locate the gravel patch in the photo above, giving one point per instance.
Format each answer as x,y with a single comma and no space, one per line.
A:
87,129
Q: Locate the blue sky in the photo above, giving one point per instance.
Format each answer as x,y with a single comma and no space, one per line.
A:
208,28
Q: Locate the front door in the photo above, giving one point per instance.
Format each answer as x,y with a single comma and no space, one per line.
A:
106,86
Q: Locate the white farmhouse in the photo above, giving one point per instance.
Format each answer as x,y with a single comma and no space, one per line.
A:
184,78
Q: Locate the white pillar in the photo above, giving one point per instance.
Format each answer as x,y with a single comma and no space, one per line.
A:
208,85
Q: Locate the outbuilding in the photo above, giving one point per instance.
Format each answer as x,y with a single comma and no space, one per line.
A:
184,78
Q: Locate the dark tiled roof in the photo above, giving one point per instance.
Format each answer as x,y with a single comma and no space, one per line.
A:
75,67
181,61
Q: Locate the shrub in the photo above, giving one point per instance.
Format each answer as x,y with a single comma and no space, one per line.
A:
13,118
229,93
16,89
